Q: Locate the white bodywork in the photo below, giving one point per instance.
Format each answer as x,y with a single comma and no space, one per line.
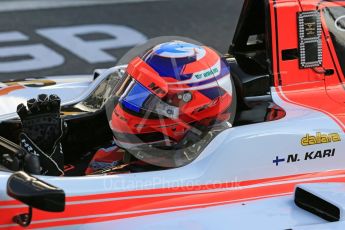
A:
231,162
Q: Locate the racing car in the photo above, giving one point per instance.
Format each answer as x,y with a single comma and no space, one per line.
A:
280,165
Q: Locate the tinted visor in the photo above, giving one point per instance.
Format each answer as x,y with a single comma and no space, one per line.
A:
138,99
135,96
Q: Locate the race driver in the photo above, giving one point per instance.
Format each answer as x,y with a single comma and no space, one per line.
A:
167,101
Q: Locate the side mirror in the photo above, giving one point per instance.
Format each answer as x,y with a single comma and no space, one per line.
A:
36,194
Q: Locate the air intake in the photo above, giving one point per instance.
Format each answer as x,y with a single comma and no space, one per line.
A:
316,205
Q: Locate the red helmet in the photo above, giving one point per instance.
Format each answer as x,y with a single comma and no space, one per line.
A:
175,89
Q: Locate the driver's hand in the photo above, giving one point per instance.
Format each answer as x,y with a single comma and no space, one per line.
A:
42,130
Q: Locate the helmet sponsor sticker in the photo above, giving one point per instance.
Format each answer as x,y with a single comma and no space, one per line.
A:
213,71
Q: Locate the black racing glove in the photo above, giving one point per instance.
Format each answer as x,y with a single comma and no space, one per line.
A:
42,131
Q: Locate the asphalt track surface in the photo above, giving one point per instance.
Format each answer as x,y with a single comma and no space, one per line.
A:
211,22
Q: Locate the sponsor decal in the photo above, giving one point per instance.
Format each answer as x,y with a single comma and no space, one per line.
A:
320,138
155,88
121,117
212,72
308,156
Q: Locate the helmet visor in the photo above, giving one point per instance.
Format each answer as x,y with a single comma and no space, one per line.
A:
139,100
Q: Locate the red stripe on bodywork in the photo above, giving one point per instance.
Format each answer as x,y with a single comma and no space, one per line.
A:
313,96
298,177
9,89
165,200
